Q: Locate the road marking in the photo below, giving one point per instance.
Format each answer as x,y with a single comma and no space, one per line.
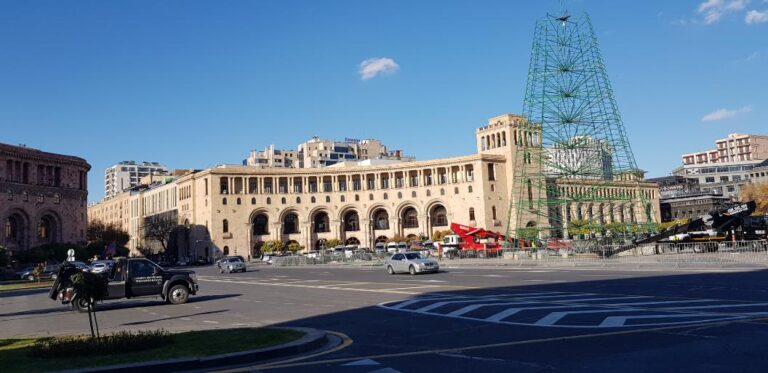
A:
617,321
210,322
398,289
490,345
683,311
363,362
511,311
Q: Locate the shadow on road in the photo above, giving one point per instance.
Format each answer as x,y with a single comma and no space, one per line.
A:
427,333
173,317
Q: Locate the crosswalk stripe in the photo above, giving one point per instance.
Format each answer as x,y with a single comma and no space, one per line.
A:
511,311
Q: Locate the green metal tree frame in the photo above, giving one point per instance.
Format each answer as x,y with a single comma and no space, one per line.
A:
574,135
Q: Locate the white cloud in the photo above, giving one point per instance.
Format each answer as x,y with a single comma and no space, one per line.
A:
713,10
754,17
721,114
375,66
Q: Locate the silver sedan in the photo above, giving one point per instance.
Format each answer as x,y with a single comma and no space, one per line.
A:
231,264
410,262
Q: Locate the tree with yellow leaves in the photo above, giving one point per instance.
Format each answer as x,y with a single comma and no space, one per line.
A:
757,192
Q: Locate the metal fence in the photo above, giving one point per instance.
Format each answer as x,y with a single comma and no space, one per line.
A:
736,254
717,254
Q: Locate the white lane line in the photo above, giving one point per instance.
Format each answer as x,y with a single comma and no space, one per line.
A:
473,307
718,306
511,311
316,287
659,302
210,322
554,317
619,321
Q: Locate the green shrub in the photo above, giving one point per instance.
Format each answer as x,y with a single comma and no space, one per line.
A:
115,343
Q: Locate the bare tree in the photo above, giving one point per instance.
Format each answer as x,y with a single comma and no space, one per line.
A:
159,229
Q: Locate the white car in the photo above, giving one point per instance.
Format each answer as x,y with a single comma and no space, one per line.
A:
410,262
101,266
231,264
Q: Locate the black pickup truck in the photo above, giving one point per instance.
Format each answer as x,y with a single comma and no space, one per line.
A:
129,278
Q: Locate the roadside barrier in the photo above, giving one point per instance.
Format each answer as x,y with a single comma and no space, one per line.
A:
732,254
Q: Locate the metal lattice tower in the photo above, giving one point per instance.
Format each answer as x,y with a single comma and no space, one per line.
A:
574,150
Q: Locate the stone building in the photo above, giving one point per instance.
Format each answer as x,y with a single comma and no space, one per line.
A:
43,197
233,209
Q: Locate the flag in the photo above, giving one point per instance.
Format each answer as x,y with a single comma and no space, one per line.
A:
110,249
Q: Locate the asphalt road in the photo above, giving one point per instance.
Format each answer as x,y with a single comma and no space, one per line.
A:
462,319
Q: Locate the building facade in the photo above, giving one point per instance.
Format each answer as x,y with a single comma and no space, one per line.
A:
128,174
318,152
234,209
44,197
734,148
723,178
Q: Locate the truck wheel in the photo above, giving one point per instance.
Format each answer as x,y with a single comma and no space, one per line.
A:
80,304
178,294
390,270
412,270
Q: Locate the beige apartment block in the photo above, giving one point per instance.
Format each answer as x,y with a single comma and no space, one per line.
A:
734,148
232,209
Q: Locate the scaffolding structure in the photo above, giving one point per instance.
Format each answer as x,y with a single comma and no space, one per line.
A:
575,174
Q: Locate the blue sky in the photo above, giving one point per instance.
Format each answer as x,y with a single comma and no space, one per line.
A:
192,84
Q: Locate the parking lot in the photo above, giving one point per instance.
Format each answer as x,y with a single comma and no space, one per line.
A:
487,318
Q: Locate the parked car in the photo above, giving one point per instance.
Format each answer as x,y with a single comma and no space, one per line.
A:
24,272
410,262
231,264
49,272
392,247
101,266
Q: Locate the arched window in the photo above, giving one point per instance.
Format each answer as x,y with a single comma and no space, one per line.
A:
321,223
298,200
282,200
442,191
530,194
482,143
290,224
493,212
260,225
327,199
455,190
342,199
380,219
226,250
469,189
439,217
239,201
253,200
357,197
410,218
370,197
429,192
472,213
399,195
225,226
385,196
351,222
503,138
224,201
269,200
313,200
413,194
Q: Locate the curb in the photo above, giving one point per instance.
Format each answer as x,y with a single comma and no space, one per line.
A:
313,339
